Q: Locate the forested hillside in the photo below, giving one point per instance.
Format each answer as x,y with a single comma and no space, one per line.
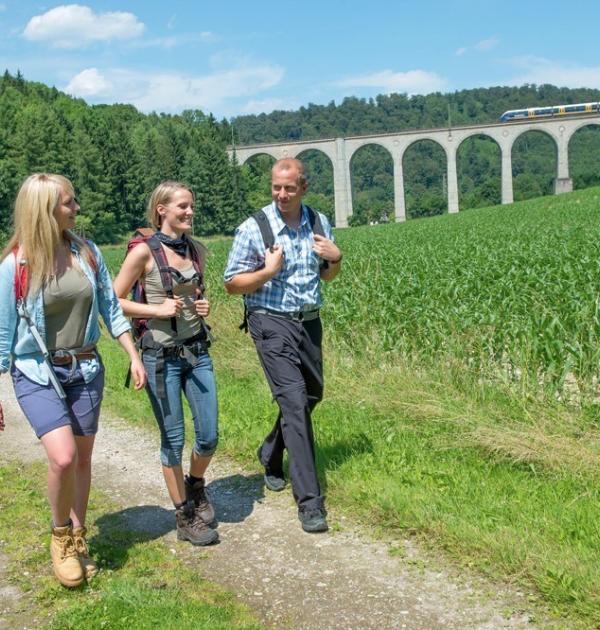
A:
534,155
115,155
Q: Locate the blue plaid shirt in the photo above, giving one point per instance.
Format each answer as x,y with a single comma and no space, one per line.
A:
297,285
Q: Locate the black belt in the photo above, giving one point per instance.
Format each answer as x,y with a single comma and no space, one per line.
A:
188,349
297,316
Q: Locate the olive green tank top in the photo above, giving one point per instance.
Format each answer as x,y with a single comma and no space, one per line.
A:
185,283
67,303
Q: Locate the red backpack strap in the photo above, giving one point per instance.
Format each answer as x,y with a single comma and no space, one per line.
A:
197,250
21,274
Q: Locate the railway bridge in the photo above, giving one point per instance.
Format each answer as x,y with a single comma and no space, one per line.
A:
341,150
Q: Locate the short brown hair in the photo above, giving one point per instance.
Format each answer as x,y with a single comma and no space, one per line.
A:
287,164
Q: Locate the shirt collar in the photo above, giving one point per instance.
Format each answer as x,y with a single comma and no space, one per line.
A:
279,223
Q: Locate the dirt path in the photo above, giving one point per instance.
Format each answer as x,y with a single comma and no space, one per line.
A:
291,579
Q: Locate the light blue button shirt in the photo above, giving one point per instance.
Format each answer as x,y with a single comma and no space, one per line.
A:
16,340
297,286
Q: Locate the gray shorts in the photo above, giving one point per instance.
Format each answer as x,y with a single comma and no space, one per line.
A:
46,411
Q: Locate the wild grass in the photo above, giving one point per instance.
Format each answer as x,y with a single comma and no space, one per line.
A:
142,583
461,357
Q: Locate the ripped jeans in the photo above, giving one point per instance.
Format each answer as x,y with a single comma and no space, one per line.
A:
198,383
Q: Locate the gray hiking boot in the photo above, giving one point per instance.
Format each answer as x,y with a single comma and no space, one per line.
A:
274,479
197,493
192,528
313,519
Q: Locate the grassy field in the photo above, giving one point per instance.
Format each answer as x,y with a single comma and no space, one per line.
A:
462,359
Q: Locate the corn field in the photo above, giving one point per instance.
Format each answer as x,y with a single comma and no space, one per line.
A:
509,289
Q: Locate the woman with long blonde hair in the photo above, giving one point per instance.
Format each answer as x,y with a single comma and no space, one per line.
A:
53,287
175,350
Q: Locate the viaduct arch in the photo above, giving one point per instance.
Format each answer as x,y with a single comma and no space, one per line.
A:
341,150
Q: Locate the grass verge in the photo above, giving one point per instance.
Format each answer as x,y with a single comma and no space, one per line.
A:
143,584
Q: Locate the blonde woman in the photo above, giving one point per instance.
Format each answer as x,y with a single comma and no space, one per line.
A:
48,342
169,265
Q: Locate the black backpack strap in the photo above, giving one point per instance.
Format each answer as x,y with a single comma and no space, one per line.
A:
165,272
265,228
317,227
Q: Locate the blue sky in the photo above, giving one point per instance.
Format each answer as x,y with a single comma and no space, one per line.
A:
234,58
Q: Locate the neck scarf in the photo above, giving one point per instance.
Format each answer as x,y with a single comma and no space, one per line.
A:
178,245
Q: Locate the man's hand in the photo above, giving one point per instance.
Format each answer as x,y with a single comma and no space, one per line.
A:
1,418
326,249
274,260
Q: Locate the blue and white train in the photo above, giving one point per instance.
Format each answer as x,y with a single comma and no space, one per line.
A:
556,110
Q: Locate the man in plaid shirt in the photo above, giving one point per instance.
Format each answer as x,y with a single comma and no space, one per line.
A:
283,296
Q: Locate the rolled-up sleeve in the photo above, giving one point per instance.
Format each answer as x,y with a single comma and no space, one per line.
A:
108,303
245,254
8,311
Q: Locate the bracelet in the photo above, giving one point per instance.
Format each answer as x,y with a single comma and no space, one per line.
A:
335,262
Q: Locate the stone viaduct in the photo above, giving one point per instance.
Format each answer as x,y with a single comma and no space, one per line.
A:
341,150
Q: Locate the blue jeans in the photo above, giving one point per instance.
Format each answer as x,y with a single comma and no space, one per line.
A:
198,383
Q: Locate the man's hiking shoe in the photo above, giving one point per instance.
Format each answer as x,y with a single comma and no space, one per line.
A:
313,519
192,528
197,493
90,568
274,480
64,557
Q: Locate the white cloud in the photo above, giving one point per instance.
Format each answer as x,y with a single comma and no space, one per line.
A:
173,92
267,105
487,44
208,37
75,26
3,8
482,46
539,71
89,83
411,82
172,41
171,22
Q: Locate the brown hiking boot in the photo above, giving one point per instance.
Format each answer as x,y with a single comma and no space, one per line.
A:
197,494
64,557
191,527
90,568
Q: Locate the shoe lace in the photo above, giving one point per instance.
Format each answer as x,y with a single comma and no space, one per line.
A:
200,494
67,547
197,522
81,545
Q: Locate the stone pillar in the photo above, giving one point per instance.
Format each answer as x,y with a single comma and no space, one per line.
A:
563,183
399,203
452,180
507,182
341,185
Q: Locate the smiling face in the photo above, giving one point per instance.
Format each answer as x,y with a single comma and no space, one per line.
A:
177,213
286,189
66,210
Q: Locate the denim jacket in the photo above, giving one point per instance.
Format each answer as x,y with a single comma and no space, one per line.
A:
17,341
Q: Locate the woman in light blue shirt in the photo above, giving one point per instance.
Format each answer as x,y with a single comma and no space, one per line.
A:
53,288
